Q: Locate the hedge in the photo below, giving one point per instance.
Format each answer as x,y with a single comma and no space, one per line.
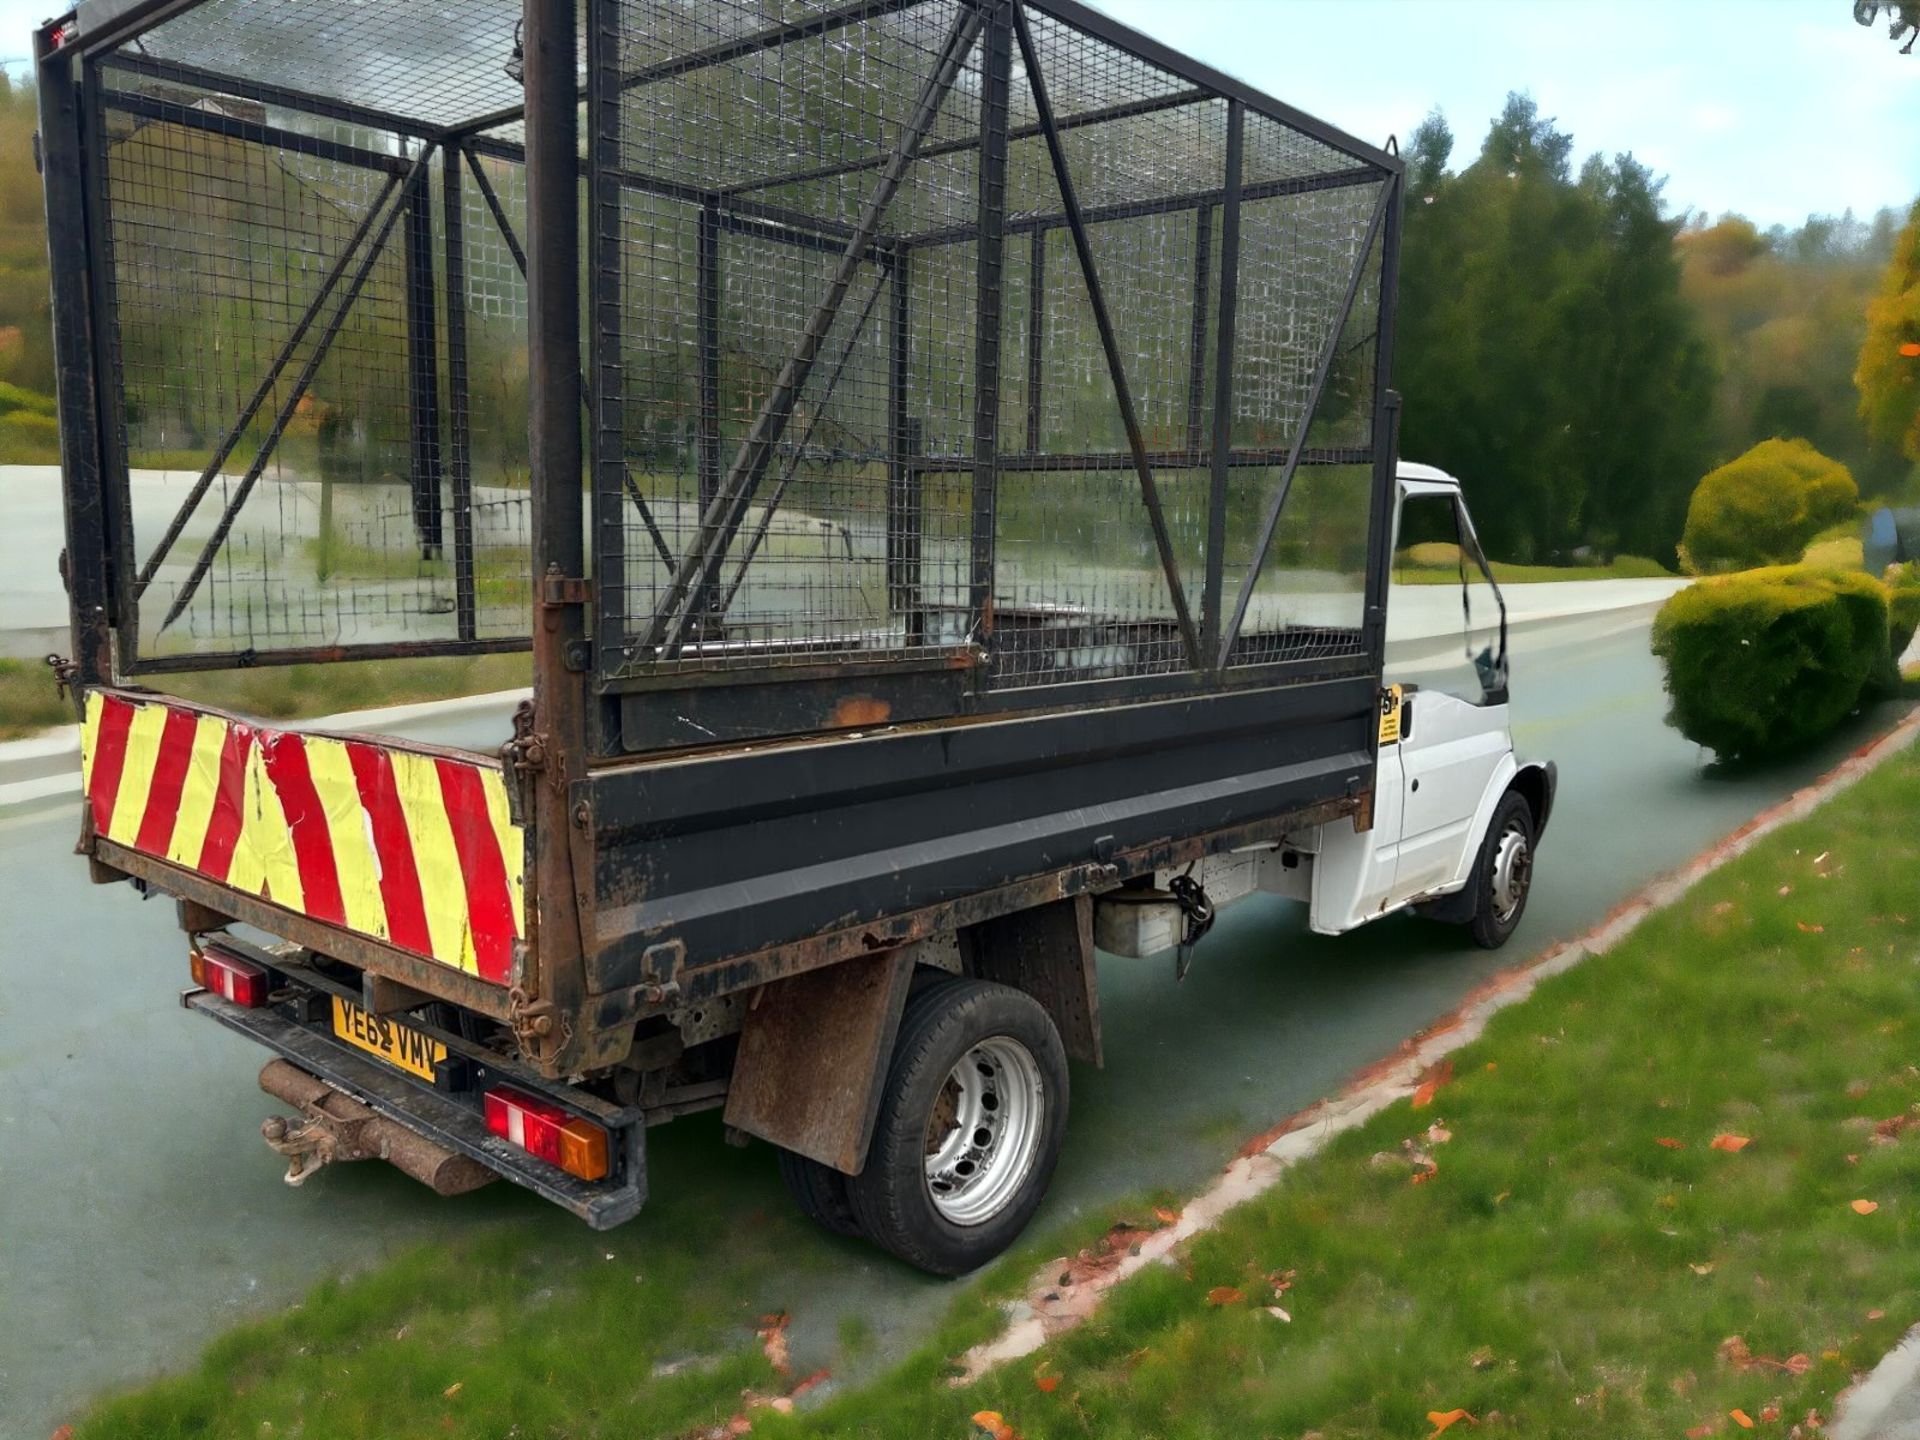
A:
1764,507
1767,659
1903,606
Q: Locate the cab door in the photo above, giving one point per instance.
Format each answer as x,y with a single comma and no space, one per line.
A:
1448,650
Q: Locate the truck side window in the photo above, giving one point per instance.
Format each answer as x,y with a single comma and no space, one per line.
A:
1444,617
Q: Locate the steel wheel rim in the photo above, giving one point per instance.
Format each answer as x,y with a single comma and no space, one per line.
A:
1512,869
984,1132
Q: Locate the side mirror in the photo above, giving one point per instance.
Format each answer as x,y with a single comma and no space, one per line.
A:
1490,672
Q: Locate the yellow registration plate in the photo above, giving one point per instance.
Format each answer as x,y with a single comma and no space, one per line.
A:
393,1042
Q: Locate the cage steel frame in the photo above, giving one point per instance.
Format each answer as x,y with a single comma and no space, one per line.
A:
609,682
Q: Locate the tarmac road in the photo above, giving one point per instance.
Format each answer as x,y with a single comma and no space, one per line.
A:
140,1214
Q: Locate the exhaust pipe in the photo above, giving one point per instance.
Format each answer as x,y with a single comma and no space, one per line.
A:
336,1127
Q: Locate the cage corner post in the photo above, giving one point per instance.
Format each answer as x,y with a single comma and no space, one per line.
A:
1386,426
75,382
989,295
557,930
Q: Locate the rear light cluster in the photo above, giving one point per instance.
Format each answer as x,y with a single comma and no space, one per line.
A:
230,977
547,1132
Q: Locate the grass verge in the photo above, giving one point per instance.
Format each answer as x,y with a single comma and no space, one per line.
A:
1624,567
28,700
1582,1254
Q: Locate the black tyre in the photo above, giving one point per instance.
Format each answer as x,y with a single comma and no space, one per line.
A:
1503,873
821,1193
969,1130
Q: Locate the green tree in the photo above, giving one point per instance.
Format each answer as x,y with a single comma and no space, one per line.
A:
1888,375
1785,315
1546,354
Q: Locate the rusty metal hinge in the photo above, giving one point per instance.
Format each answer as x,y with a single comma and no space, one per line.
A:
558,589
521,758
65,672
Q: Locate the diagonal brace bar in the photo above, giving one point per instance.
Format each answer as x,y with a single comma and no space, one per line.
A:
699,568
880,283
1109,341
415,177
1325,367
265,388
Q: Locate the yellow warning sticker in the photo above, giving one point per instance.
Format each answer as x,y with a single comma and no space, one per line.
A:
1390,715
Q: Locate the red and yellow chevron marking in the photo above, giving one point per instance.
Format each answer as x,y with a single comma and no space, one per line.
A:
412,848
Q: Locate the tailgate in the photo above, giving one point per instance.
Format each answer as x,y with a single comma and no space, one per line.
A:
408,845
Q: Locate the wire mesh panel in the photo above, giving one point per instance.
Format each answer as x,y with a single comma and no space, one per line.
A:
842,247
973,336
317,331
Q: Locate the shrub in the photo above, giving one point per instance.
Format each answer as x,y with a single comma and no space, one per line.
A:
1764,507
1762,661
13,397
1903,607
1432,554
27,438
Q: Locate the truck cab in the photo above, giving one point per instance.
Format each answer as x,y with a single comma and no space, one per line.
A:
1456,812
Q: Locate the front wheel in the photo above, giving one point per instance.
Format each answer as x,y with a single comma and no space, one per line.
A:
969,1129
1503,873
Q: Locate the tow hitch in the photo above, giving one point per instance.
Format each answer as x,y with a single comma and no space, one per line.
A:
336,1127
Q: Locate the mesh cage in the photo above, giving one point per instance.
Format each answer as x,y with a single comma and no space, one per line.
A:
868,298
317,328
962,336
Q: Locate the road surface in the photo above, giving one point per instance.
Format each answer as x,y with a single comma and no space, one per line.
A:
143,1214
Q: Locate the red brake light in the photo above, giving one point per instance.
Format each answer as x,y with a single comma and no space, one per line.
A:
548,1132
241,981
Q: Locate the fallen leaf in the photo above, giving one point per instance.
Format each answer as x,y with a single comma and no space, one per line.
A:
1670,1142
1225,1295
1443,1420
1165,1216
1733,1351
1436,1077
1281,1281
454,1389
1865,1207
65,1432
994,1424
1279,1314
1732,1144
1786,890
1821,857
1770,1411
773,1340
1420,1177
1722,907
1503,1197
1438,1134
818,1377
1699,1432
1876,1314
1811,929
1046,1384
1798,1365
1742,1419
1482,1358
1706,1269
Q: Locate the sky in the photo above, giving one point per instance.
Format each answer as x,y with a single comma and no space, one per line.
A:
1775,108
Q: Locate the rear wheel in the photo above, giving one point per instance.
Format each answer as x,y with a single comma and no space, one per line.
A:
1503,874
821,1193
969,1130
